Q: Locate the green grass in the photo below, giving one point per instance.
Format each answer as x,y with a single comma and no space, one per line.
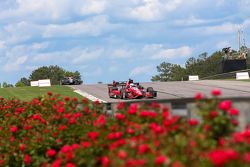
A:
28,93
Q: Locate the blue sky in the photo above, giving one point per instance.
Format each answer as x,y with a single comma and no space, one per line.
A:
114,39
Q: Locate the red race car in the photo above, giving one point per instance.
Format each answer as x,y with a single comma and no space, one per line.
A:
130,90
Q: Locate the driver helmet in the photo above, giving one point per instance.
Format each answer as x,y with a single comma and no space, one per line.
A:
130,80
132,85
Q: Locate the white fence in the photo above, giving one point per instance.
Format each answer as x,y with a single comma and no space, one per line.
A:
41,83
193,77
242,75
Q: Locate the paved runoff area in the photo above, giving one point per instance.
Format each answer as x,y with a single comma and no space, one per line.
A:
172,90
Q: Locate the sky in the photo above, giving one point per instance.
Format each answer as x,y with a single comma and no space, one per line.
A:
108,40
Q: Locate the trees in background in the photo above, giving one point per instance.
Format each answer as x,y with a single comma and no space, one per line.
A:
54,73
6,85
203,66
23,82
169,72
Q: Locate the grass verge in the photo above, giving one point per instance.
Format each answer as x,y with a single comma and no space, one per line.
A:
28,93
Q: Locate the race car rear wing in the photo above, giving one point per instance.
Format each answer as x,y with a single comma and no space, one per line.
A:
123,83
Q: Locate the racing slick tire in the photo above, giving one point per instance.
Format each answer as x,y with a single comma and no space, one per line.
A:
151,91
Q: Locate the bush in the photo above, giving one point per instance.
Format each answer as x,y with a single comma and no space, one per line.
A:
55,131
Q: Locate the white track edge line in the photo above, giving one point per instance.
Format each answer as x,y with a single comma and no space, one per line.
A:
89,96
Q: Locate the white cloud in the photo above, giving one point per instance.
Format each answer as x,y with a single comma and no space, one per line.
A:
184,51
56,10
121,53
224,28
39,46
142,70
14,65
2,44
94,26
74,55
45,57
94,72
151,10
158,51
190,21
223,44
20,32
93,7
86,55
113,68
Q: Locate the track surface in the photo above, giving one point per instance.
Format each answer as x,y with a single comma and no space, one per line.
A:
177,90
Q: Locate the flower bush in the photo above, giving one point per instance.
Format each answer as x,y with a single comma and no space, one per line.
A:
54,131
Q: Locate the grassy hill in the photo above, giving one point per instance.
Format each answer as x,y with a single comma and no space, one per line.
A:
27,93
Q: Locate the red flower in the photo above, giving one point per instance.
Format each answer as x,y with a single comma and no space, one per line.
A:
65,149
238,137
247,157
132,108
62,127
60,110
27,159
160,160
14,129
221,142
69,164
122,154
22,147
1,161
50,93
104,161
100,121
234,122
51,153
119,116
114,135
74,99
193,122
225,105
145,113
56,163
213,114
120,105
198,96
66,98
75,146
85,144
72,121
216,92
143,148
84,100
93,135
233,112
220,157
130,131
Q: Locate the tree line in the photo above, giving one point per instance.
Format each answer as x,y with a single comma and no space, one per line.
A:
54,73
203,66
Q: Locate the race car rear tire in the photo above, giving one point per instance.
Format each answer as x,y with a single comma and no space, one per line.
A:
150,89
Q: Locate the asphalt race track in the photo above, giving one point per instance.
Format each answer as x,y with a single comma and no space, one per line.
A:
176,90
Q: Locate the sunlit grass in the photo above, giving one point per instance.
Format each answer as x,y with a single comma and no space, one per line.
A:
28,93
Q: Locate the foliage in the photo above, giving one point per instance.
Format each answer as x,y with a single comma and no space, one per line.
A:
23,82
55,131
169,72
6,85
54,73
203,66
